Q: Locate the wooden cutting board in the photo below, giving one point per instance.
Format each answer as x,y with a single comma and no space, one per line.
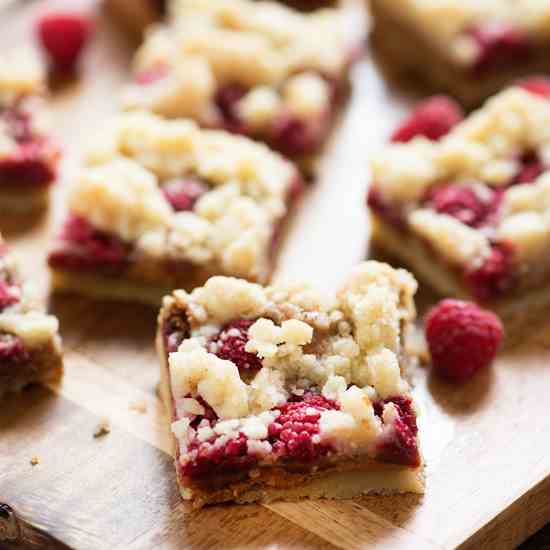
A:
486,444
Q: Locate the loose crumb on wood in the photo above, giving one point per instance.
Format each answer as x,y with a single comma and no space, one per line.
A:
138,406
103,428
35,460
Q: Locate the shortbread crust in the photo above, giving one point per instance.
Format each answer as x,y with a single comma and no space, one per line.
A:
366,352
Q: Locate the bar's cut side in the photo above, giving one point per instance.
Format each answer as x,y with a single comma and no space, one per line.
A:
469,212
283,392
28,155
163,204
474,48
30,347
260,69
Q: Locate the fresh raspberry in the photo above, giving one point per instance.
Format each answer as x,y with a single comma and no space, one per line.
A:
84,246
464,203
291,435
29,165
531,168
462,337
231,457
499,44
230,342
226,99
183,194
494,277
209,413
538,85
63,36
388,212
292,136
433,118
9,294
12,350
404,407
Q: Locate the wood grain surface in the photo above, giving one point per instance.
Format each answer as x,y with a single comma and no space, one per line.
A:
486,444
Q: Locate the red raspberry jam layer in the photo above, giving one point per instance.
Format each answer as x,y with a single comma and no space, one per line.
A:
473,207
82,247
31,164
390,213
293,432
226,99
500,45
183,194
230,342
433,118
495,277
9,294
531,168
400,447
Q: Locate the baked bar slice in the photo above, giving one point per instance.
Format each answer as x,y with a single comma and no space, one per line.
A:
163,204
137,15
470,212
30,346
284,392
255,68
470,50
28,155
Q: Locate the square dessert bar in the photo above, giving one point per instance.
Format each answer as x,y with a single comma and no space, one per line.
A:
163,204
254,68
30,347
283,392
470,212
470,50
137,15
28,156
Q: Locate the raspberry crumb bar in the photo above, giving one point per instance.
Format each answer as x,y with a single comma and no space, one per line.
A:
283,392
470,211
255,68
164,204
28,156
468,49
30,347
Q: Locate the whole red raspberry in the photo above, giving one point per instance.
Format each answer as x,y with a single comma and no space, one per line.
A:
433,118
230,342
499,44
63,36
183,194
538,85
462,338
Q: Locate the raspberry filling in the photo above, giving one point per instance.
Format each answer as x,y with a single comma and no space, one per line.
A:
467,204
294,435
183,194
175,330
12,352
530,169
401,446
538,85
230,342
494,277
227,99
432,119
152,75
9,294
499,44
82,246
387,211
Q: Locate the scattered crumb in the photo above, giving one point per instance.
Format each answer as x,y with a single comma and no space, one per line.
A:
35,460
138,406
103,428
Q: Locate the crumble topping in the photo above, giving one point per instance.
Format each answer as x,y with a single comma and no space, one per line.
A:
243,196
21,73
493,170
278,59
446,21
333,358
